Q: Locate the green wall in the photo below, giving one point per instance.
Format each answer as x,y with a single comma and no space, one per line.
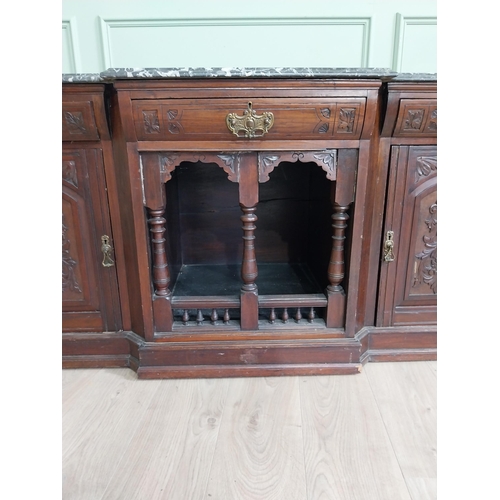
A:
97,34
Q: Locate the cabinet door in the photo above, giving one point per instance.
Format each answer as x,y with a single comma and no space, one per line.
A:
89,289
408,283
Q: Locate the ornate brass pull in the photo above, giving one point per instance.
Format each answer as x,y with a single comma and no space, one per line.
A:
106,249
389,247
250,123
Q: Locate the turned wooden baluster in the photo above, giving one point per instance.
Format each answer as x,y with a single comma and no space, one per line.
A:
161,273
336,267
214,316
199,317
272,316
298,315
249,270
311,315
285,316
342,195
249,197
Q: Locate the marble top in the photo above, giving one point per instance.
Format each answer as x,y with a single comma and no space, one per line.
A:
113,74
81,77
138,73
415,77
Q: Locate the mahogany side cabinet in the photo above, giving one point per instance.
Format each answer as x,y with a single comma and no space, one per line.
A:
248,224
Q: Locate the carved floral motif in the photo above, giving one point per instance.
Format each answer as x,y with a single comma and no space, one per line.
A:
328,164
174,126
346,120
151,122
425,270
168,162
69,172
231,165
75,122
414,119
68,264
425,166
326,112
433,121
327,160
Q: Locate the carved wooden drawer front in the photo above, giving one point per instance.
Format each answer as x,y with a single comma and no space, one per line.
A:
78,121
292,118
416,117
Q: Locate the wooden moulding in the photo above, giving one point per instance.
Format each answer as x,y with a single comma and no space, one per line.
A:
408,343
100,350
248,358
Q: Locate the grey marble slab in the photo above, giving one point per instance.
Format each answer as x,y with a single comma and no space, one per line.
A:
81,77
138,73
415,77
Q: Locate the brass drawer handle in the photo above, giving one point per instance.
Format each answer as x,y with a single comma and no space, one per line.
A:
250,123
106,249
389,247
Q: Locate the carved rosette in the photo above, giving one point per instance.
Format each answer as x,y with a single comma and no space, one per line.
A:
75,122
69,281
425,269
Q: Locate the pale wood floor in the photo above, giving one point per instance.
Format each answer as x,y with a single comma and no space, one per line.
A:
354,437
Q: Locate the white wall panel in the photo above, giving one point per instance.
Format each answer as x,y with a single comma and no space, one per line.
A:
341,42
70,55
415,44
361,33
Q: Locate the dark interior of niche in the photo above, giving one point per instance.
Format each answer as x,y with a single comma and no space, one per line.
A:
204,230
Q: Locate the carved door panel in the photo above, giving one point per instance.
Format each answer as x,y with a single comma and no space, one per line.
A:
89,288
408,280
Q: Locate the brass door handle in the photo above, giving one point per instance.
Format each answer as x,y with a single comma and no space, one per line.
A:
250,123
106,249
389,247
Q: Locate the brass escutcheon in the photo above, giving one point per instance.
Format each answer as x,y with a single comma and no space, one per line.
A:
389,247
250,123
106,249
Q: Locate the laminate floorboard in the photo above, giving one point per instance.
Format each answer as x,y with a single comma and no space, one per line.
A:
171,453
98,428
408,407
348,453
350,437
259,452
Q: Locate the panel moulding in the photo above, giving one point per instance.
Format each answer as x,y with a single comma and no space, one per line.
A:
108,25
402,22
70,33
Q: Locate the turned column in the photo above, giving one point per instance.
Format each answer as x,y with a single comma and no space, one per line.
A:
161,273
249,197
336,268
342,195
249,271
155,201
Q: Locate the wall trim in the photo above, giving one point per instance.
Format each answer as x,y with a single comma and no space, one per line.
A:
109,24
69,27
402,22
